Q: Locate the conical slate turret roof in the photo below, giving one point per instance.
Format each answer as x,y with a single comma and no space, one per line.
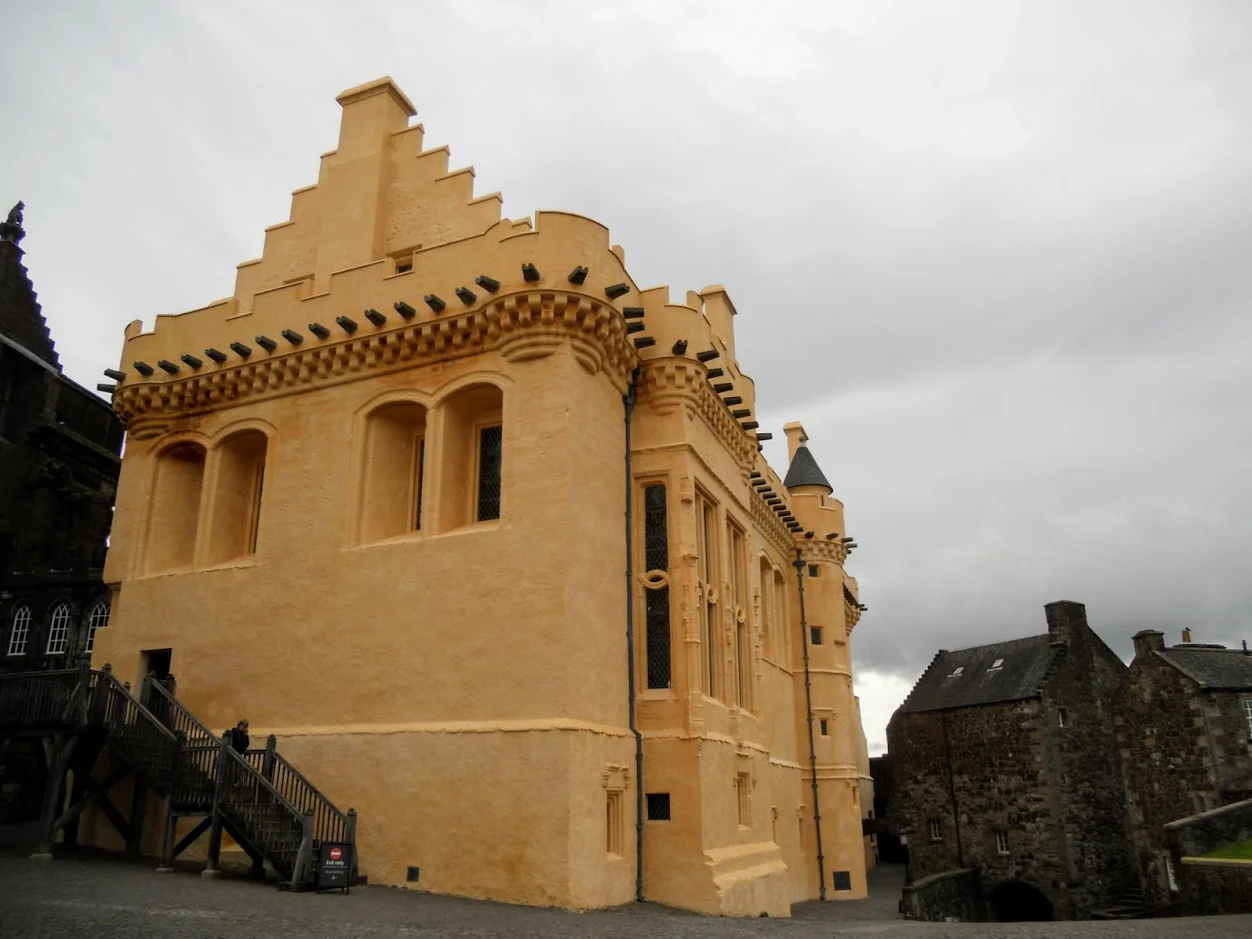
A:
804,471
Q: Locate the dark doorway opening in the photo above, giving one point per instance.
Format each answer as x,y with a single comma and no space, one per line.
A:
1015,901
155,661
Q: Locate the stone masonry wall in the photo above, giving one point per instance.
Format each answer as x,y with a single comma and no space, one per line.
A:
1229,743
1000,780
954,896
1082,759
1207,886
1165,760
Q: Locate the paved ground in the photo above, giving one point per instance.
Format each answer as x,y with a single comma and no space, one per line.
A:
106,898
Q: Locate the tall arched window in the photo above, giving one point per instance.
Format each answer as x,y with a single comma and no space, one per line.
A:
98,619
21,631
175,509
236,516
472,461
394,471
59,629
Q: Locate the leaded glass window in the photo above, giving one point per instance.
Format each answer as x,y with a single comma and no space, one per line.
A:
656,594
490,440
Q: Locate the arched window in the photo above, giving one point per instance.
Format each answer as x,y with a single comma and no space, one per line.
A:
175,509
394,471
59,629
21,631
473,445
236,516
98,619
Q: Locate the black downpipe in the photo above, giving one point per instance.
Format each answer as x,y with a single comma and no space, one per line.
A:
628,406
808,700
956,809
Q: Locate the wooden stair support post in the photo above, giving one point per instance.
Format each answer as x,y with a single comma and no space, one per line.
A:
57,752
171,819
212,867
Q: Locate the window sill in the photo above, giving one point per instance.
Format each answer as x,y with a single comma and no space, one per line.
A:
250,560
657,694
410,537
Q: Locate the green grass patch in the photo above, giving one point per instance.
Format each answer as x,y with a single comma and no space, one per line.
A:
1239,851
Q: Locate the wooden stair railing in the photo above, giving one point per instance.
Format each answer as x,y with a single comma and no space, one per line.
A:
264,801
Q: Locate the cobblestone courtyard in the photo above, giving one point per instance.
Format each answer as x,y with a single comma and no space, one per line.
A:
106,898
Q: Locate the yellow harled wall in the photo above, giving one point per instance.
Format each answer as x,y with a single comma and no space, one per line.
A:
464,686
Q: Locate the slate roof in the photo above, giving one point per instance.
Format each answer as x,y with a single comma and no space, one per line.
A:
804,471
1216,669
1026,662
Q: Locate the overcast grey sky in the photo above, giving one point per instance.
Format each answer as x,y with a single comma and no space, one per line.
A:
995,256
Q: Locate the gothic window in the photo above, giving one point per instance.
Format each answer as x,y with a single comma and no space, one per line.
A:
706,574
21,631
769,628
471,464
235,523
394,471
98,619
175,507
59,629
490,441
656,592
781,618
743,646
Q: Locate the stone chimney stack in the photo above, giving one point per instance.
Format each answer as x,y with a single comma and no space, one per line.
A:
1148,641
1065,617
795,437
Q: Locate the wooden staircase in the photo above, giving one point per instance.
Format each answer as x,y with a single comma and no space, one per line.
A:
269,807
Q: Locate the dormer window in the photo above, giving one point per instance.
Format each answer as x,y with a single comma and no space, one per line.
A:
956,673
998,663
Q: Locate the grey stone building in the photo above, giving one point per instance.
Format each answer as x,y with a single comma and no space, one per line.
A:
1005,760
59,447
1184,726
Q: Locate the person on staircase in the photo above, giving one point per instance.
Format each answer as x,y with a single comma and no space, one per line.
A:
239,739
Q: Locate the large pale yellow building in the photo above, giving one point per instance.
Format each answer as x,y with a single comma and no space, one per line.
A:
402,499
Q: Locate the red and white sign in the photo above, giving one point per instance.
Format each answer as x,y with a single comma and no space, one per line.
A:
336,853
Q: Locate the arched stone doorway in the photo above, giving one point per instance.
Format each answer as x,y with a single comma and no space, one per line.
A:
1015,901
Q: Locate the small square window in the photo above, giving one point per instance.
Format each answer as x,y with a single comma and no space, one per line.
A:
1002,842
815,635
825,727
936,830
403,267
813,570
658,806
843,880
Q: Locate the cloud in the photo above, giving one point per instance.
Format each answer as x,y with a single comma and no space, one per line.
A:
991,253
